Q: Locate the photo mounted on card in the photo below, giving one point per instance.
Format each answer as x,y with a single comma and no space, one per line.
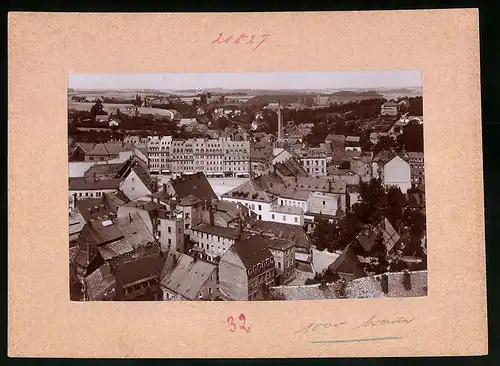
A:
299,206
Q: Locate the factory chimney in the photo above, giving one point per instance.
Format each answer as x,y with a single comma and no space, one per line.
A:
280,122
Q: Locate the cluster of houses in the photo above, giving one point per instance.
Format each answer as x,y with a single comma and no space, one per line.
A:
132,238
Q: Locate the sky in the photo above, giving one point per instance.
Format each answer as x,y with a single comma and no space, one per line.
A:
254,80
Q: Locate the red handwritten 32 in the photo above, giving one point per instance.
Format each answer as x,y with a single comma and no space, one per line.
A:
232,325
241,39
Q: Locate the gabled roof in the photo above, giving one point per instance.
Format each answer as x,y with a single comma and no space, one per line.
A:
101,284
188,277
251,251
190,200
95,208
76,222
149,266
348,263
104,171
80,183
225,232
295,194
194,184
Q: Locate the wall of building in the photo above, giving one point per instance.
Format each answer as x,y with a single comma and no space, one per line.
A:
397,172
314,166
94,193
325,203
233,281
261,209
213,245
283,201
133,187
171,234
287,218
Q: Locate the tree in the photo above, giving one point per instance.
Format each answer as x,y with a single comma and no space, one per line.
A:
396,201
203,99
324,235
415,220
412,138
97,109
416,106
348,228
345,165
386,143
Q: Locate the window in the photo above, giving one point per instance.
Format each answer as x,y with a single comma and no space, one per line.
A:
284,218
210,290
169,241
170,230
260,207
159,234
279,265
324,203
282,202
80,194
295,219
200,296
272,216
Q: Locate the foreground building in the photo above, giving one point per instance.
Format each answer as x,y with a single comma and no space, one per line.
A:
245,269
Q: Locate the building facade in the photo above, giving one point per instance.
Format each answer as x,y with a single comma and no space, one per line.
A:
220,157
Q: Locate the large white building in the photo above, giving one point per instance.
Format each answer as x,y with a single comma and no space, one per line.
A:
220,157
397,172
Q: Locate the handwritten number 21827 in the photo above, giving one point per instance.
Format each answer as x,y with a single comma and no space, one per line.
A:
232,325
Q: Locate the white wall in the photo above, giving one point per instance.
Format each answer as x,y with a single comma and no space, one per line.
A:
294,203
265,210
397,172
327,203
321,260
133,187
287,218
212,244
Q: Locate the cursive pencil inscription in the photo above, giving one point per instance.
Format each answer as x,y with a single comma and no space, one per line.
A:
375,322
311,327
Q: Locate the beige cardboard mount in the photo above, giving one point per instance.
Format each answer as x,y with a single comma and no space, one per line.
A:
44,47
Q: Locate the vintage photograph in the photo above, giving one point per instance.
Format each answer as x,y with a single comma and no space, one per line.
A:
246,186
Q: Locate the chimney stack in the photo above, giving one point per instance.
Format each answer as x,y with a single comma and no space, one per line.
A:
407,280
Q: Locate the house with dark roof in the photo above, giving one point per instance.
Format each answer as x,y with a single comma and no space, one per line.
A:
347,265
246,269
193,184
283,252
191,278
131,178
99,151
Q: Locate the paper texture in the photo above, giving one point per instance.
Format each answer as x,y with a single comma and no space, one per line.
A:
45,47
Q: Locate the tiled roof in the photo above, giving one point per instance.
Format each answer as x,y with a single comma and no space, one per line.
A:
189,277
194,184
101,284
296,194
115,249
370,287
278,244
140,168
294,233
94,233
76,222
95,208
135,232
251,251
78,184
251,191
104,171
303,292
294,210
189,200
224,232
347,262
144,267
